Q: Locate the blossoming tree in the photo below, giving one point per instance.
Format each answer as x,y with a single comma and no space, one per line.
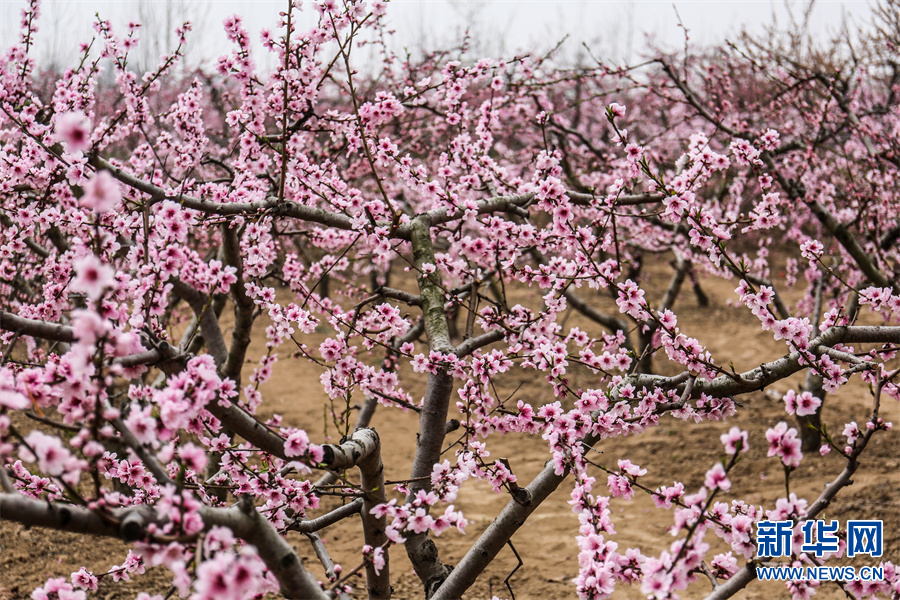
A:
139,219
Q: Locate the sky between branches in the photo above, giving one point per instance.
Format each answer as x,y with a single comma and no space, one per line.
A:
613,29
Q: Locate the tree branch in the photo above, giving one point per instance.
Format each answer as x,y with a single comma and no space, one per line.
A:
326,560
130,524
851,245
328,519
209,322
285,209
470,345
36,329
161,353
243,307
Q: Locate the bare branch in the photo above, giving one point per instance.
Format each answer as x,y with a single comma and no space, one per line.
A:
351,450
328,519
472,344
405,297
325,558
494,539
6,483
243,307
35,328
209,323
610,322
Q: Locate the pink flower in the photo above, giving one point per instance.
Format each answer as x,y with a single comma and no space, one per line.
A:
92,276
620,487
666,495
851,430
74,128
420,522
790,402
58,588
378,559
315,453
101,194
87,326
84,580
724,565
717,478
385,510
213,580
634,152
194,458
9,397
790,451
441,524
142,424
807,404
394,535
734,439
783,442
811,249
296,443
51,455
769,140
616,110
631,469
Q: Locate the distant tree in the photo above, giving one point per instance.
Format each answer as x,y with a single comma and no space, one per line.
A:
159,20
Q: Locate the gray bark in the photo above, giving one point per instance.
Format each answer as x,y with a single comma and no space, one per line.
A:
420,549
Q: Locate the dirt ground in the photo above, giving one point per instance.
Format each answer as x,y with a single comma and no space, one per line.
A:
673,451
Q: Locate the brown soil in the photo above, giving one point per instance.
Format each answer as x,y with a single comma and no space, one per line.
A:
673,451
